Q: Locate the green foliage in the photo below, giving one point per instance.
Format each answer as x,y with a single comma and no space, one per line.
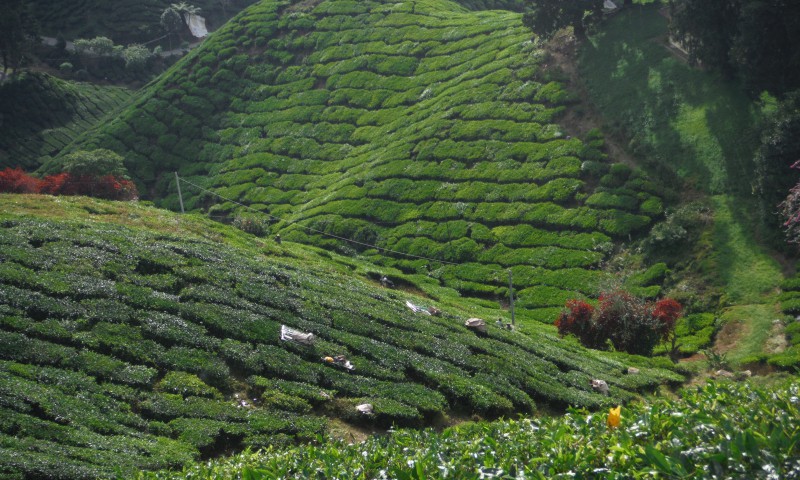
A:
187,385
366,128
94,163
30,132
545,17
20,34
136,56
751,39
740,430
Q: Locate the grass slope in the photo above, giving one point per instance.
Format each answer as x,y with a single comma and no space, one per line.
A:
420,127
42,114
131,336
694,126
683,119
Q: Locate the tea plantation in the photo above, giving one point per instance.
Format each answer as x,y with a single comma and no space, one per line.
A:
416,127
42,114
720,430
134,338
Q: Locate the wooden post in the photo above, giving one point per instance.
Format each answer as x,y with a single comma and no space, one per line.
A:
511,296
180,196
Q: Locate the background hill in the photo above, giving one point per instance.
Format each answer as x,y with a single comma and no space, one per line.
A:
41,114
419,127
127,325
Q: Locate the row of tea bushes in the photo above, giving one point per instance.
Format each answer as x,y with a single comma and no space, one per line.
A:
790,304
719,429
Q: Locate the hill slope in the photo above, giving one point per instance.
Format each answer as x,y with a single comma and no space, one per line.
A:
41,114
126,325
705,130
418,127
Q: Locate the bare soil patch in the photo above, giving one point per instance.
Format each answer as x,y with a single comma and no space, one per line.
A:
728,337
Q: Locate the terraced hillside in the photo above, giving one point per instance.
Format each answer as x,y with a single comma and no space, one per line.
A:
41,114
419,127
137,339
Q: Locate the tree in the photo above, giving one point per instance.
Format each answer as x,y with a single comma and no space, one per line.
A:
95,47
706,28
225,4
19,34
776,167
95,163
765,49
171,22
545,17
754,39
136,56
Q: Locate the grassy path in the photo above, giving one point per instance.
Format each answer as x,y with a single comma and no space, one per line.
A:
749,277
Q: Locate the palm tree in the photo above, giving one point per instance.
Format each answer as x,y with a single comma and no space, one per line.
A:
174,17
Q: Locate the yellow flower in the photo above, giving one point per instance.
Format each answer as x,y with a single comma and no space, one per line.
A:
613,417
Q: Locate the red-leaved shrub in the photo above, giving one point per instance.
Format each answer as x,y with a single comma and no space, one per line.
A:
108,187
15,180
620,320
54,184
576,319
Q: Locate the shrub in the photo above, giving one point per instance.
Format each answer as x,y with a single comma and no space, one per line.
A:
625,322
15,180
187,384
257,225
576,320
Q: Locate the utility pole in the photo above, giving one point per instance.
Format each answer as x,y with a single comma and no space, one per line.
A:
511,297
180,196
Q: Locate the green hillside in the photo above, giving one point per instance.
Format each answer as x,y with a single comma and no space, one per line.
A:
704,130
41,114
418,127
134,338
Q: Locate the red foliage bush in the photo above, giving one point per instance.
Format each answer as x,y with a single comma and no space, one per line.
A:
17,181
576,319
54,184
667,311
625,322
108,187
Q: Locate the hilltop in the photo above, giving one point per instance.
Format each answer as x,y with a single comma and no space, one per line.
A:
419,127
